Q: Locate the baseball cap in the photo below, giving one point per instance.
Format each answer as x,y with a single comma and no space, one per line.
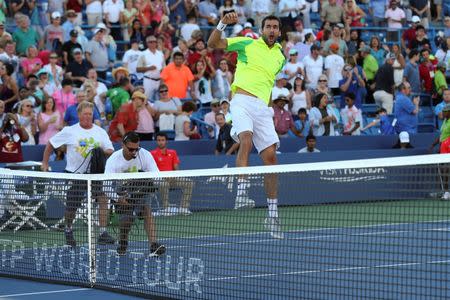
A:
138,94
281,98
224,100
340,25
364,49
248,25
56,14
281,75
77,50
391,56
404,137
293,52
215,101
73,33
101,26
97,30
415,19
71,13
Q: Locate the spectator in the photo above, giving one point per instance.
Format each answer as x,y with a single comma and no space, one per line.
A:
76,6
54,33
226,7
94,12
221,85
283,118
310,145
225,109
409,35
289,12
131,57
167,160
178,77
403,141
119,73
146,124
420,8
332,13
78,69
293,67
447,26
260,9
69,46
406,110
27,120
280,86
443,53
313,64
354,13
378,11
302,124
54,70
370,64
183,130
352,82
99,89
119,95
386,125
126,118
202,80
208,13
300,96
97,53
49,121
166,109
399,64
137,33
188,28
9,56
248,31
69,24
210,118
395,17
11,148
334,64
384,84
377,50
421,41
351,116
45,86
112,11
64,97
24,36
438,108
71,114
335,38
411,72
225,143
8,88
322,87
426,70
353,40
322,117
32,63
440,82
243,11
2,112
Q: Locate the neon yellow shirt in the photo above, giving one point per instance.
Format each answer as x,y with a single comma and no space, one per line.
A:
257,65
445,130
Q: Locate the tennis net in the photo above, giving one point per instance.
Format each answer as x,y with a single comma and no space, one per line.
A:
364,229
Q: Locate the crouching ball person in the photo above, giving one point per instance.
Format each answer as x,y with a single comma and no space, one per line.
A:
134,195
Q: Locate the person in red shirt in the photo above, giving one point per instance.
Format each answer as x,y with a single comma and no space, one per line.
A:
126,118
167,160
11,136
409,35
427,69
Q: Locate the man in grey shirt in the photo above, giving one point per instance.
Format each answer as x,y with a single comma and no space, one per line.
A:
97,53
411,72
310,145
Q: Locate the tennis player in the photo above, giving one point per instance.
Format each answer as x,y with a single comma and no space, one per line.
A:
134,195
259,61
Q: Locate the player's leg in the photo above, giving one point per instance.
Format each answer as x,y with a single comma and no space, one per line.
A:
242,132
444,169
126,219
187,185
75,194
156,249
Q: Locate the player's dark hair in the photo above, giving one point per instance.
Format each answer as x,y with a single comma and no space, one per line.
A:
413,53
178,53
269,18
161,134
302,110
220,114
66,81
188,106
310,137
130,136
124,81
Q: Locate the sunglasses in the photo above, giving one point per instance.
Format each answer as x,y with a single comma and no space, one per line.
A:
323,80
215,105
132,150
27,105
163,91
53,57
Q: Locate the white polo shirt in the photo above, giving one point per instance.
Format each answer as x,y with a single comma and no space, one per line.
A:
148,59
113,9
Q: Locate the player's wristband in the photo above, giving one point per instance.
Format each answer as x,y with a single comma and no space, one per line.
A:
221,26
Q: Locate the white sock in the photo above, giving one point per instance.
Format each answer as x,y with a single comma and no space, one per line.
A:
273,207
102,229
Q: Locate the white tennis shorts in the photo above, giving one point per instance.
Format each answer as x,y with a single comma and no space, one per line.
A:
252,114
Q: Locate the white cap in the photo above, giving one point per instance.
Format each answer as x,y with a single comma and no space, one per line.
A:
415,19
248,25
101,26
404,137
56,14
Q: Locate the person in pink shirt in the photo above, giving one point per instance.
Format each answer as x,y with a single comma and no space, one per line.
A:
64,97
283,118
32,63
49,121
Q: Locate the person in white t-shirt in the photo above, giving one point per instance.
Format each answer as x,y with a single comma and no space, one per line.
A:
151,62
133,195
292,68
131,57
94,12
334,63
313,67
81,139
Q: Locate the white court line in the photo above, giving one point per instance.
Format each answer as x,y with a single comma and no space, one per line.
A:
43,293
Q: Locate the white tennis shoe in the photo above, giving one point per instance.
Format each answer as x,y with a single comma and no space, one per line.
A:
446,196
273,225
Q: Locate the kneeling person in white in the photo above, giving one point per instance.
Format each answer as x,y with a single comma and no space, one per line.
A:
134,194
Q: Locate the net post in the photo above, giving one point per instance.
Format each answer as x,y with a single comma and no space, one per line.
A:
91,240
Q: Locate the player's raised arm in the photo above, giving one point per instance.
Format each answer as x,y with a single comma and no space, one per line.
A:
215,39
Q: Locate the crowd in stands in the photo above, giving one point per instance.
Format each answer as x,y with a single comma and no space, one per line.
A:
146,67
